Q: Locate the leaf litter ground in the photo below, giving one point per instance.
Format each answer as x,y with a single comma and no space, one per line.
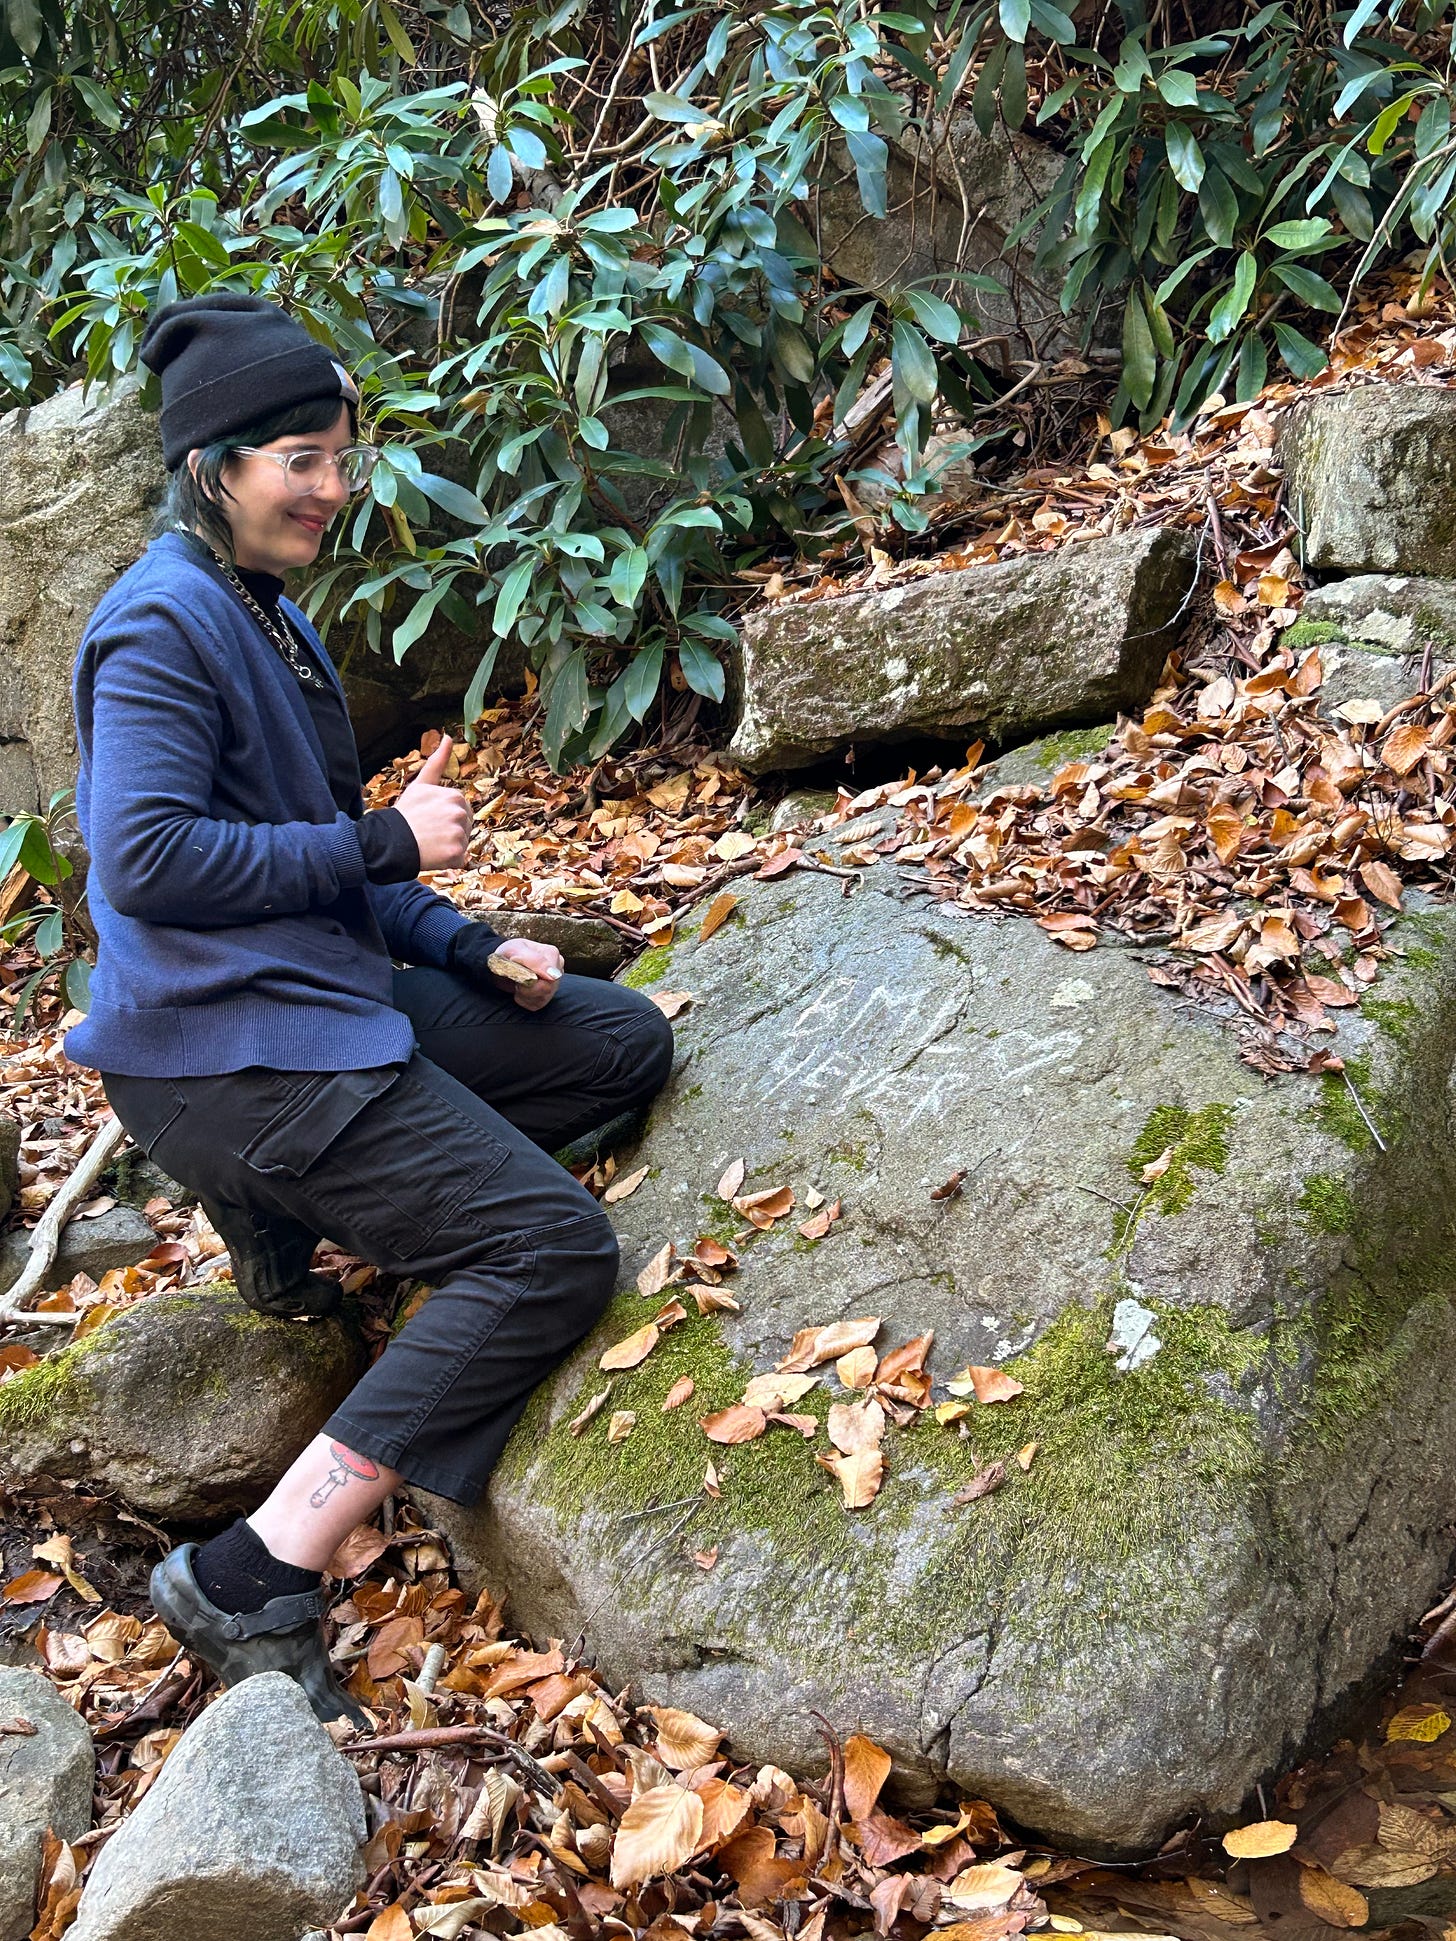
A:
1261,846
509,1792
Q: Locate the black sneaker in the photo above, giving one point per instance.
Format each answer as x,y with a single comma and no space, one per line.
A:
286,1635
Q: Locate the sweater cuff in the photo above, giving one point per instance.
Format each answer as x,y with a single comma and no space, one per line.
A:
345,853
391,854
469,949
430,937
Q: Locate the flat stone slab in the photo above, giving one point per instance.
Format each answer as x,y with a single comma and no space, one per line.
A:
589,947
1004,652
1235,1373
45,1781
1370,478
185,1406
252,1828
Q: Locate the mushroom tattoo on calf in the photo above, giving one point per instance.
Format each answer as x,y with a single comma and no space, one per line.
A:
347,1468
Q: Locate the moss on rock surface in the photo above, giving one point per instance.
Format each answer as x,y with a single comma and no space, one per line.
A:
45,1392
1310,633
1074,744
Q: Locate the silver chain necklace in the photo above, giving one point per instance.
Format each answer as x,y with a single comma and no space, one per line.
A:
283,639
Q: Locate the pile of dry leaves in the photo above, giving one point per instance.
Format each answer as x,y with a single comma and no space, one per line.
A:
1234,823
635,841
1221,473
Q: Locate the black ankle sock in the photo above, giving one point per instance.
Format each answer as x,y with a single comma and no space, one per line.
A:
238,1571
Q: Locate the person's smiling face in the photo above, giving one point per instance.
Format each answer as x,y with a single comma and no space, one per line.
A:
275,529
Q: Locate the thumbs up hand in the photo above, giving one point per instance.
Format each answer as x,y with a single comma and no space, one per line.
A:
438,816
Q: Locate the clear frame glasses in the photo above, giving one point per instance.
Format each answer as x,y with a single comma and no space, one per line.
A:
305,470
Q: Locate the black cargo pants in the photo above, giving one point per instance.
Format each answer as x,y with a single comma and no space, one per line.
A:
440,1170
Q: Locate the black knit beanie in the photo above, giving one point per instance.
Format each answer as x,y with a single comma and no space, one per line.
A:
226,361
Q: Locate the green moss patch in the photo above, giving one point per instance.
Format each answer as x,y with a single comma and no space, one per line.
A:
1073,745
772,1485
1338,1113
1327,1204
1310,633
50,1388
648,968
1195,1142
1396,1016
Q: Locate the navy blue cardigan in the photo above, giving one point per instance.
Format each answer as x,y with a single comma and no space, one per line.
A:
236,923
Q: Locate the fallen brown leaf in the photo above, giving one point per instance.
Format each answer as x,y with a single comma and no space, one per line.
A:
810,1346
731,1182
985,1482
31,1587
859,1476
579,1422
624,1188
986,1384
736,1424
854,1426
719,911
658,1271
683,1740
656,1835
866,1768
857,1368
1260,1840
634,1349
775,1391
818,1224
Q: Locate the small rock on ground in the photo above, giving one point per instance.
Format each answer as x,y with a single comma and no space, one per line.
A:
45,1781
120,1237
252,1828
184,1406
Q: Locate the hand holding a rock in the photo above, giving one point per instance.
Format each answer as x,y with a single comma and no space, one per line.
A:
438,816
532,971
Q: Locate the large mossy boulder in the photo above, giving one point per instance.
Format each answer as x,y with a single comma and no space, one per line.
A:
1370,478
184,1406
1003,651
1230,1311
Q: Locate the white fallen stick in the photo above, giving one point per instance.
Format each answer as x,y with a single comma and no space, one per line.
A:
46,1238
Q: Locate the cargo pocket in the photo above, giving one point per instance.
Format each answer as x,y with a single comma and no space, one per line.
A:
387,1180
319,1108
